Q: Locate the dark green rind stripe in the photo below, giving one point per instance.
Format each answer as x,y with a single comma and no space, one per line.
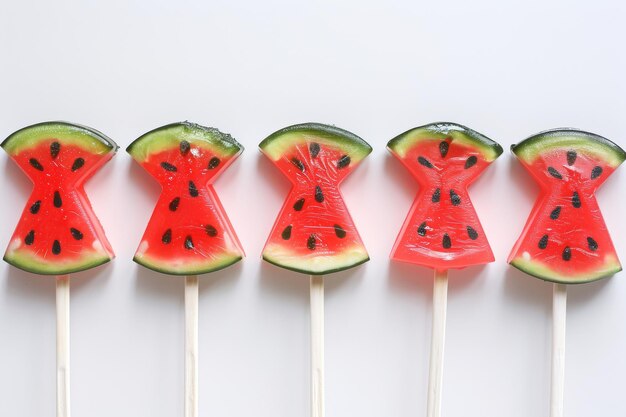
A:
328,132
443,130
10,145
563,137
197,271
209,135
532,273
325,272
50,271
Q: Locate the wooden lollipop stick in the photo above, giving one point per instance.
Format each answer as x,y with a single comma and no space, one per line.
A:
191,346
63,345
435,378
317,346
559,309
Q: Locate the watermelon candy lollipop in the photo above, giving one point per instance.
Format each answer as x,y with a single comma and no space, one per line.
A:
58,232
314,233
565,239
442,229
189,232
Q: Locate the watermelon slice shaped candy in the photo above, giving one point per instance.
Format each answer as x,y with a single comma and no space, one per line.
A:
314,233
565,239
58,232
442,229
188,232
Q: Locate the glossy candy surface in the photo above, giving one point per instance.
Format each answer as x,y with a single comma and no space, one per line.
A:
189,232
314,233
58,232
565,238
442,229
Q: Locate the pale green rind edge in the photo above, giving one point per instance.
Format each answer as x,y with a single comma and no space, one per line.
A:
563,138
83,136
276,144
442,130
169,136
333,263
196,269
26,262
538,270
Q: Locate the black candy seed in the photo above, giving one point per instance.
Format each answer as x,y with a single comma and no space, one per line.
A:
174,204
56,247
210,230
571,157
596,172
34,209
319,195
167,236
55,148
193,191
298,163
343,162
455,198
30,238
78,164
57,200
297,206
472,233
314,148
421,230
543,242
339,231
446,242
286,234
593,245
567,254
310,243
188,243
576,200
424,161
185,147
436,196
471,161
554,214
214,162
556,174
443,148
168,167
76,234
35,164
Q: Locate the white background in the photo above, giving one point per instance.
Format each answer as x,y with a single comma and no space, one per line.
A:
506,69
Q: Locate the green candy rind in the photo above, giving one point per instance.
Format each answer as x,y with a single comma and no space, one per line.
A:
441,131
85,137
565,138
169,136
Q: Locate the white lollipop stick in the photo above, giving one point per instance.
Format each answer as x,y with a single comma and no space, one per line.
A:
317,346
63,345
191,346
559,309
435,378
